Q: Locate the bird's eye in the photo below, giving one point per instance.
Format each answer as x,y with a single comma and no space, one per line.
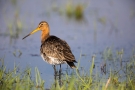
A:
41,25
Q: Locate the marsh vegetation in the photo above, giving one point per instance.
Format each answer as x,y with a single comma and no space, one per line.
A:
116,73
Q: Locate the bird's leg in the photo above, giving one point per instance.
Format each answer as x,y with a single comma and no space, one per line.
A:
60,76
55,74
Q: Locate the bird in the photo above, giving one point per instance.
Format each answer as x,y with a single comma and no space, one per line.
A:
53,50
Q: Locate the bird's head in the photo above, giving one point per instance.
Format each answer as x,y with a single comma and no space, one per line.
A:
43,26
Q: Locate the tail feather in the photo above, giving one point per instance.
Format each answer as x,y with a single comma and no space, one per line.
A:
71,64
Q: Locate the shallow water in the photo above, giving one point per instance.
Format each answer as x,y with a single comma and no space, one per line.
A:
105,24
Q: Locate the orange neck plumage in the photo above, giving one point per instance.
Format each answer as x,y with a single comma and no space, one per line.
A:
45,34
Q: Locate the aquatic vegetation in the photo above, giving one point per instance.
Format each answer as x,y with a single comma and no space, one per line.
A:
69,10
89,80
75,11
115,78
14,27
79,12
17,79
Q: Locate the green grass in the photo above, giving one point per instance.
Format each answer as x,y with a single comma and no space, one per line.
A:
18,79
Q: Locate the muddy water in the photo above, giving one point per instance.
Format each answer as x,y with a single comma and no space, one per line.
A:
105,24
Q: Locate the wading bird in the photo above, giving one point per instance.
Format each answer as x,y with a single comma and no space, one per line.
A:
54,50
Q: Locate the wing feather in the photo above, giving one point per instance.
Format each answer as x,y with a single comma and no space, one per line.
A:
55,47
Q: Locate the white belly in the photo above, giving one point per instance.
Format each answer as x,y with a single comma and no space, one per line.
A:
52,60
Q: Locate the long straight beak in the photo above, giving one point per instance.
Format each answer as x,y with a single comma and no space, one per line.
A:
37,29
